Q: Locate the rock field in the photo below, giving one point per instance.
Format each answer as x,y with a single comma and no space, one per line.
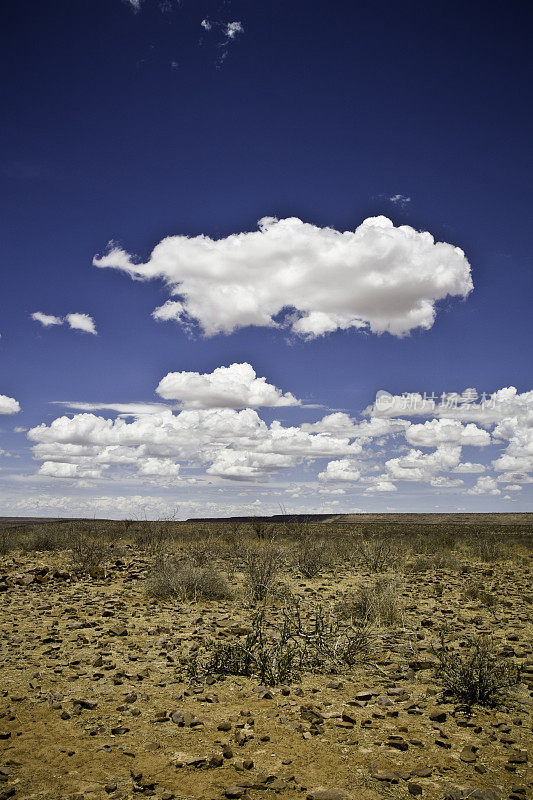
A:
94,702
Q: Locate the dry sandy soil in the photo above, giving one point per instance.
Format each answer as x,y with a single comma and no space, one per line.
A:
95,702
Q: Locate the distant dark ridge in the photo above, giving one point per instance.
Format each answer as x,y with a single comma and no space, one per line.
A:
272,518
498,518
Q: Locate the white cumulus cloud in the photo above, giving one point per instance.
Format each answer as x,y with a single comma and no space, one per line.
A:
8,405
446,431
341,470
419,466
484,485
81,322
236,386
379,277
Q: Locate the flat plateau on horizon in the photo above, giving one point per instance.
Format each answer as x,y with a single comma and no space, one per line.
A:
430,518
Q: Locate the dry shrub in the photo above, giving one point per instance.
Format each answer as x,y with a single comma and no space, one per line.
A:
474,591
341,550
152,536
476,676
87,554
312,555
485,547
261,566
378,603
260,528
377,555
185,581
44,538
441,559
204,551
6,540
278,652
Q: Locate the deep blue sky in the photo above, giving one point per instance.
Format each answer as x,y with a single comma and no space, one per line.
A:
130,127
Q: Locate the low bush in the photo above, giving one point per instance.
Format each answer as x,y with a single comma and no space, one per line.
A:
261,565
475,591
185,581
152,536
377,555
312,555
87,554
485,547
428,562
44,538
378,603
476,676
279,652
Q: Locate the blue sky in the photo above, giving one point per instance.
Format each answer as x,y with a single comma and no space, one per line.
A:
178,126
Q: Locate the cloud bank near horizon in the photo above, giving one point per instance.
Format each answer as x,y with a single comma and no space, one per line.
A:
214,436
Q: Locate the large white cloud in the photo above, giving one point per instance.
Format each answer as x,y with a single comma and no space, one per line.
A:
446,431
55,469
8,405
236,386
341,470
484,485
379,276
468,406
419,466
341,424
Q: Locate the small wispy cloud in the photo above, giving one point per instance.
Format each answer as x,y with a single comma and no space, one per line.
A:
232,29
77,321
399,199
135,4
229,31
47,320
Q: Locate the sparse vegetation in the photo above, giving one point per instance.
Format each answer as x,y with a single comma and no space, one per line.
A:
478,675
377,603
296,645
376,555
87,553
475,591
261,565
185,580
279,652
312,555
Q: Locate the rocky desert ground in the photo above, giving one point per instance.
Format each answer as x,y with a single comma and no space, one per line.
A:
358,658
